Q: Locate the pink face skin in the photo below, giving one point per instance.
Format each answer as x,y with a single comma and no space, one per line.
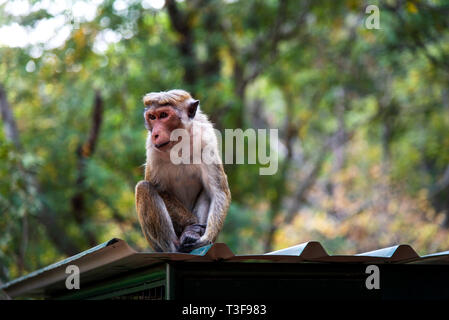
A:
162,121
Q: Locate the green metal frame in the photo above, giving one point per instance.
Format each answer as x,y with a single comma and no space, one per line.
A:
150,278
169,282
145,286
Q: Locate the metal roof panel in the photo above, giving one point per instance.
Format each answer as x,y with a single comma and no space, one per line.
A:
116,256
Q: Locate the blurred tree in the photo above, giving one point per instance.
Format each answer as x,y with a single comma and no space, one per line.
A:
363,118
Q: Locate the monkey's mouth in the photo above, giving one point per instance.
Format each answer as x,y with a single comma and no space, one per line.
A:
161,145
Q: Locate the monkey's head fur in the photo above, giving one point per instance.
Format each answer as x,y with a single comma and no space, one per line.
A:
173,97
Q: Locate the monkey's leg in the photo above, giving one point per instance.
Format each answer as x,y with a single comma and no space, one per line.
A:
154,218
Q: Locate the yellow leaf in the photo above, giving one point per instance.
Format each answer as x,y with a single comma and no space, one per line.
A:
411,7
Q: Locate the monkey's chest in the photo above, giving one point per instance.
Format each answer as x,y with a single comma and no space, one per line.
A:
184,183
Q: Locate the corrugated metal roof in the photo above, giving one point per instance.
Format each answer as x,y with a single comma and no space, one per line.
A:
116,256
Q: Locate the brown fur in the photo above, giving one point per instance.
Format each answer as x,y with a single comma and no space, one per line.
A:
180,216
176,199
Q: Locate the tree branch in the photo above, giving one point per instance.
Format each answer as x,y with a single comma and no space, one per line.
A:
84,152
282,30
311,176
9,124
181,24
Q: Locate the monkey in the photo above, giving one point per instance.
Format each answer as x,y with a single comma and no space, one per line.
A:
183,206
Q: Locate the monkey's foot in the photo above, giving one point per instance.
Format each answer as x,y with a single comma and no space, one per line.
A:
189,238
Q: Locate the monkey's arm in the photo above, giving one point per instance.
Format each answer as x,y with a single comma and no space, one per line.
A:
202,205
189,239
211,207
220,197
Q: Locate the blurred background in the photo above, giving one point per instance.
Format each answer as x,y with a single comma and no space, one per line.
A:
363,119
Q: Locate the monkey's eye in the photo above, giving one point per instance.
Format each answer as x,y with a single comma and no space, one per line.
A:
163,115
151,116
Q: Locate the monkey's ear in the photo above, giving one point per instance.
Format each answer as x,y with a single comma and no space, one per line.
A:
145,119
191,109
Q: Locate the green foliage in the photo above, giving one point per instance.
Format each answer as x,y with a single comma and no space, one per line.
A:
363,118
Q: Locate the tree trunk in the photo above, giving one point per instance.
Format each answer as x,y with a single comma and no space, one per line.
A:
84,152
46,216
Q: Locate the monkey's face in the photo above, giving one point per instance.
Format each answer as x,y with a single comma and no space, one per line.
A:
161,122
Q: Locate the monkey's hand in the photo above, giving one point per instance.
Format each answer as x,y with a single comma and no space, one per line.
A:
191,238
